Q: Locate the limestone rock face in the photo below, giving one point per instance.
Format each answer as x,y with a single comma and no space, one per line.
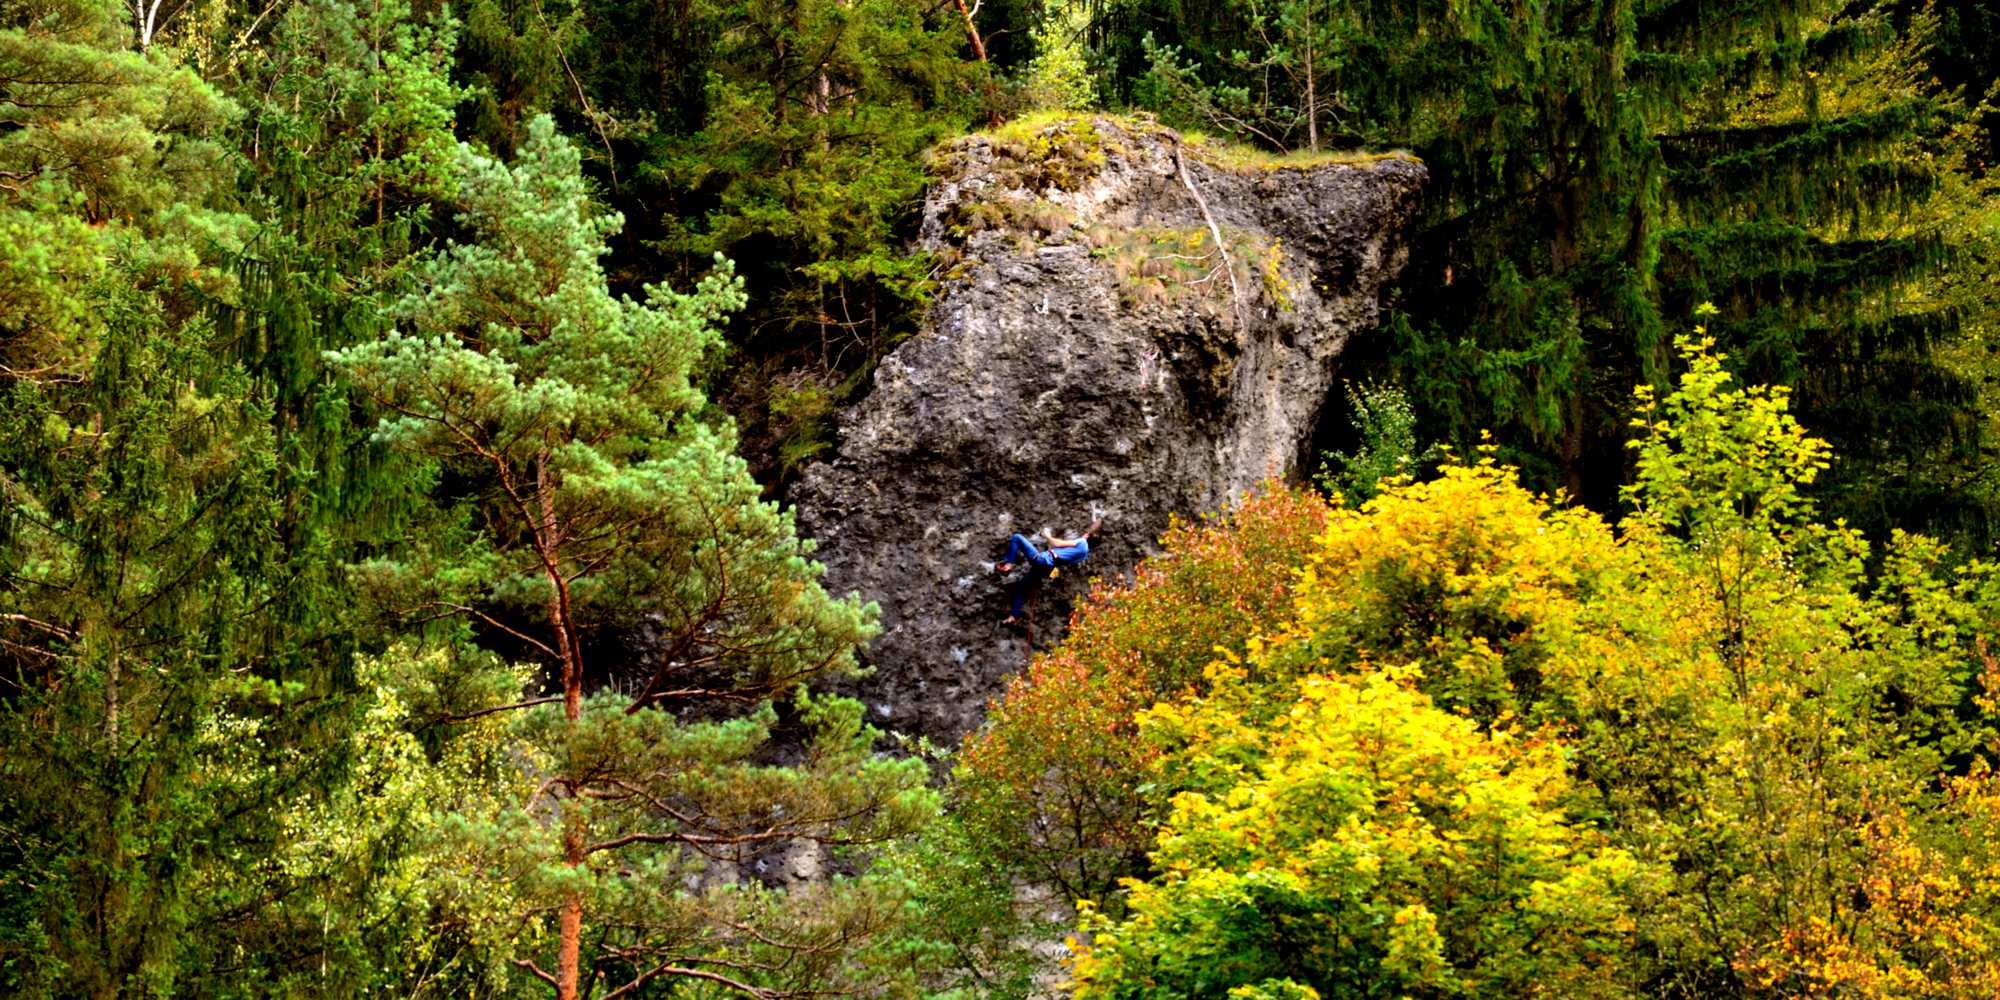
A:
1092,352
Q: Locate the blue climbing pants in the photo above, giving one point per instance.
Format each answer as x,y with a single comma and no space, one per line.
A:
1020,550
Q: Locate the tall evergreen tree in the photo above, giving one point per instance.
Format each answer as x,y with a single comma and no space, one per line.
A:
345,144
1597,168
201,795
789,136
134,529
1964,57
607,505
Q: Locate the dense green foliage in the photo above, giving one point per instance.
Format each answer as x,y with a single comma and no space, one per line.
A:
392,600
789,136
1599,167
604,504
274,637
177,680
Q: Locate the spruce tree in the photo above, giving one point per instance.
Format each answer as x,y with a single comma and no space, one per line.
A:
204,793
608,506
135,512
1598,167
346,143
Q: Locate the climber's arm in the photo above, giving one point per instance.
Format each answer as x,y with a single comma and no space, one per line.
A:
1063,543
1060,543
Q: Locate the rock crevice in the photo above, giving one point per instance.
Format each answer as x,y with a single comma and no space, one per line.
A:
1093,351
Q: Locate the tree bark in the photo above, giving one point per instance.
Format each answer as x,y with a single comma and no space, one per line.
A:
971,31
568,961
979,49
569,945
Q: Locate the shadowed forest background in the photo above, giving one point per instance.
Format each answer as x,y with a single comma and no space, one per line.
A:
398,401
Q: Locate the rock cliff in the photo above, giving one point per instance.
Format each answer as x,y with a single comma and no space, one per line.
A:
1128,327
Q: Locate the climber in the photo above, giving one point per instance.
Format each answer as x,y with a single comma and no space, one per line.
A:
1042,563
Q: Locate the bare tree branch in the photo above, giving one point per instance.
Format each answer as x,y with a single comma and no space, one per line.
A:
530,703
529,964
496,623
670,969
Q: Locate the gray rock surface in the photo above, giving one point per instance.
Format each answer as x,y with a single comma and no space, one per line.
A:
1089,353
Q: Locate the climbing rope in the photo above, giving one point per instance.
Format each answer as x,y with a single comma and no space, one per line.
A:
1033,599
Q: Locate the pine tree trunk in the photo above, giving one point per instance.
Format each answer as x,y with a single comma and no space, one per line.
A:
570,942
971,30
979,50
571,946
551,538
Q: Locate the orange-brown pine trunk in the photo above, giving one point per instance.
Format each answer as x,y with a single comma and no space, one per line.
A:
571,946
570,943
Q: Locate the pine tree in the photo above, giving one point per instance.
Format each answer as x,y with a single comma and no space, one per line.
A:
788,136
609,506
1278,83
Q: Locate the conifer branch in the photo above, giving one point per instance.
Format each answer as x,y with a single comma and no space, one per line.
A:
497,623
669,969
596,119
51,628
785,831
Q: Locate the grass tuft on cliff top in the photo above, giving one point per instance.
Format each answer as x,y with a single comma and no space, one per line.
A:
1237,156
1215,151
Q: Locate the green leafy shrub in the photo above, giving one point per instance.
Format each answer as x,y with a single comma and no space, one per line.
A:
1388,427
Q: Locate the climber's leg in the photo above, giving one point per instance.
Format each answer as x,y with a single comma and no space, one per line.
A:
1019,550
1011,556
1033,579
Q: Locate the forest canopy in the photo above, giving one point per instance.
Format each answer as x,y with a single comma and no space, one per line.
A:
397,594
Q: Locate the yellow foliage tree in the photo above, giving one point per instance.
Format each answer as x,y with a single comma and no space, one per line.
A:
1362,843
1770,759
1469,578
